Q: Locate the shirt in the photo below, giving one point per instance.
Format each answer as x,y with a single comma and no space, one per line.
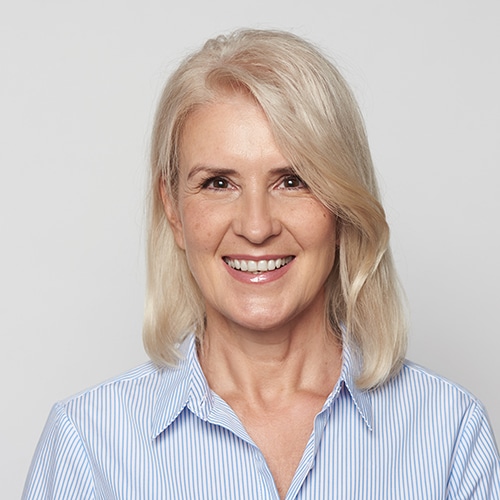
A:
161,433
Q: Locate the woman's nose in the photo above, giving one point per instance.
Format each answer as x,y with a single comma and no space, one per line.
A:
256,218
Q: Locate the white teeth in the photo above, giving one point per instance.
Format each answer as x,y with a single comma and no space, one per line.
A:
262,265
253,266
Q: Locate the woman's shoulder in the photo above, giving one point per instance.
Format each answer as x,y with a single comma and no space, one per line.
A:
136,397
134,378
419,379
131,392
424,395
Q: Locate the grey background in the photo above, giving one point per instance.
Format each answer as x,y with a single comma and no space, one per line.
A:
78,87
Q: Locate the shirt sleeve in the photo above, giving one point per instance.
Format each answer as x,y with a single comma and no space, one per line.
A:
475,468
60,468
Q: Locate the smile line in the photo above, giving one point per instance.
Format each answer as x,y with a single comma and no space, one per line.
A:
257,266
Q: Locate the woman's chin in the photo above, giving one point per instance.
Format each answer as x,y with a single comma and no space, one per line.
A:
256,320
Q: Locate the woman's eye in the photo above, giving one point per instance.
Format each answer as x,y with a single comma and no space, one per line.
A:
292,182
216,183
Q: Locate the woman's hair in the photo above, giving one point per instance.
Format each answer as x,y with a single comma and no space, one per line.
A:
318,128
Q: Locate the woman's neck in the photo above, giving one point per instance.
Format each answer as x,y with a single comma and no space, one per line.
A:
272,366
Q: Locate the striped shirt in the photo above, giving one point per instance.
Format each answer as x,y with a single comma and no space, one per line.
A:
163,434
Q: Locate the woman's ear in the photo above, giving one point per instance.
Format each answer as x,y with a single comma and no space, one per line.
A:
338,230
173,216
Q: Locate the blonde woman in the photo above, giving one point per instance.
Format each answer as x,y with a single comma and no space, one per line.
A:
273,318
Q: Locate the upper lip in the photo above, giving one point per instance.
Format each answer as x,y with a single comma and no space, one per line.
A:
258,257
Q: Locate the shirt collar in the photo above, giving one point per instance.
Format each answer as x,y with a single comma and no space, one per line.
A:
186,385
352,364
174,387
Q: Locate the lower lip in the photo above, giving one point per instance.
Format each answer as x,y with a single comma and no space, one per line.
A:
260,278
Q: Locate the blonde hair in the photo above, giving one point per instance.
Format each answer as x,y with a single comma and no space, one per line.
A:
318,128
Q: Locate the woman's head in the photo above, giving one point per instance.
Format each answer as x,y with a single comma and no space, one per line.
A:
317,126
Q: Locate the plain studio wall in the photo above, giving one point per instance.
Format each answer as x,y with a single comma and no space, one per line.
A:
79,84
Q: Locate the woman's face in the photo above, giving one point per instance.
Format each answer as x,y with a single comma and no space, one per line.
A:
259,245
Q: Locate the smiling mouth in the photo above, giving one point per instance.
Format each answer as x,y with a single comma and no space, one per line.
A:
258,266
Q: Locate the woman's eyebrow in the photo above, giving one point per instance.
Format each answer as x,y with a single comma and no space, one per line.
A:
287,170
220,171
211,171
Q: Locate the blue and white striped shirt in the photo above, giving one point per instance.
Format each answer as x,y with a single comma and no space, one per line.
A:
163,434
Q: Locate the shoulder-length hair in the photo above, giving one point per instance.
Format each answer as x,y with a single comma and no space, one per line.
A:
319,129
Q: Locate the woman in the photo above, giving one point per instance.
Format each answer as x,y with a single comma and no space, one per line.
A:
273,315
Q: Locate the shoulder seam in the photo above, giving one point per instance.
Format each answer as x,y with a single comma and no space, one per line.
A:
416,368
125,377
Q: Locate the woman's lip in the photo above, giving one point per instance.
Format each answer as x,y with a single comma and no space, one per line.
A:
258,257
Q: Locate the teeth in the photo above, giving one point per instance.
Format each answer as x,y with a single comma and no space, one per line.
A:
257,266
262,265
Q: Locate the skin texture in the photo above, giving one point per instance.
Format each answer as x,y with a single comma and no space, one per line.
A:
267,350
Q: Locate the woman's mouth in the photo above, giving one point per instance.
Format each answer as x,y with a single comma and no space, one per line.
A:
257,266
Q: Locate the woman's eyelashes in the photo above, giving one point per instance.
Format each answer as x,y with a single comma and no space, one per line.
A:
216,183
292,181
219,183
